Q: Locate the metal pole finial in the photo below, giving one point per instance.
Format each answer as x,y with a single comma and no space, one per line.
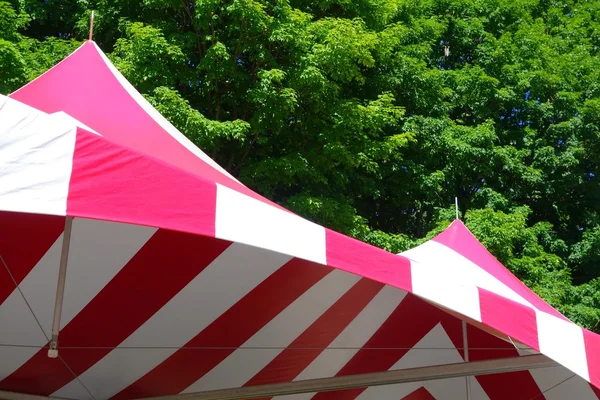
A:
456,206
91,25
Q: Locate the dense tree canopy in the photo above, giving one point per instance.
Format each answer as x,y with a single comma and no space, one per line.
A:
370,116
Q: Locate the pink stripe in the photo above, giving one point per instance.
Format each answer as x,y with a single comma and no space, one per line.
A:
458,238
84,87
509,317
361,259
592,350
162,267
112,183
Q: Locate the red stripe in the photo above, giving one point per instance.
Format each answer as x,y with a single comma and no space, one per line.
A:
367,261
419,394
114,183
514,385
229,331
595,390
408,324
509,317
592,351
302,351
164,265
24,239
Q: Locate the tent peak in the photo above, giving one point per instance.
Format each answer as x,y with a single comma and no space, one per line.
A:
459,238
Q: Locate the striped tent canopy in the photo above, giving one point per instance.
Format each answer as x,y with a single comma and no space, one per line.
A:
181,280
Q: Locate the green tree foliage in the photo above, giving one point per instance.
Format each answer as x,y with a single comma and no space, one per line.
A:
370,116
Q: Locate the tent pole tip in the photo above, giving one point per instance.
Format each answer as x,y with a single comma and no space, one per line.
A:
456,207
91,25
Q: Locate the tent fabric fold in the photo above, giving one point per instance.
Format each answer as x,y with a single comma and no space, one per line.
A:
181,279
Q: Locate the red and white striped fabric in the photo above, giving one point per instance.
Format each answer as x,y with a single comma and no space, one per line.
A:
180,279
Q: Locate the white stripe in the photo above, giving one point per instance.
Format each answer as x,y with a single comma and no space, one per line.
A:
11,358
70,120
36,157
18,327
477,392
370,319
243,219
245,363
231,276
572,387
75,390
446,265
159,119
118,369
355,335
563,342
422,356
351,339
523,349
98,251
547,379
443,289
303,396
435,348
